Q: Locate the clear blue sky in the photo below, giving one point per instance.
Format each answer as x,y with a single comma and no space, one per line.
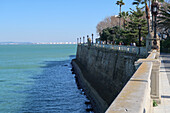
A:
53,20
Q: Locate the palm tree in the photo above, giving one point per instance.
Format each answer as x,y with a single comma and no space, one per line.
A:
152,3
120,3
147,10
138,2
164,17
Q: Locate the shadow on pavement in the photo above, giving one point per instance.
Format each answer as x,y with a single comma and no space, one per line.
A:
165,96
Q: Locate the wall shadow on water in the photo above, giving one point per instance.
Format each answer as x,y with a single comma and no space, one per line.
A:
54,90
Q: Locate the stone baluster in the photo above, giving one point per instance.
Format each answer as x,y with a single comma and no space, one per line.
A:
155,81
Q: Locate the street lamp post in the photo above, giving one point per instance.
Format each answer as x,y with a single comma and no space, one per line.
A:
80,40
77,40
83,39
139,27
92,38
155,12
87,37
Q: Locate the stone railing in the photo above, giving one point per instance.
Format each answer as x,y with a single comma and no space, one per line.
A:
138,94
128,49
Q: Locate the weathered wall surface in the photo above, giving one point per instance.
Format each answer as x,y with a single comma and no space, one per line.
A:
99,105
106,70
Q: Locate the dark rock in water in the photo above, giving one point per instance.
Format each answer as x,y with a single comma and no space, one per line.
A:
87,97
78,86
72,69
89,109
83,93
87,102
65,65
73,72
82,90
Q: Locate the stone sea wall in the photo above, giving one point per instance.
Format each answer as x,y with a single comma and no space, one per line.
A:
103,72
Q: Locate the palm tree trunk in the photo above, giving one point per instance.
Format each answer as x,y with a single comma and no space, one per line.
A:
124,23
152,16
152,22
147,16
148,22
120,17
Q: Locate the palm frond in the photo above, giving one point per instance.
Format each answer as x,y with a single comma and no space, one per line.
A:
164,17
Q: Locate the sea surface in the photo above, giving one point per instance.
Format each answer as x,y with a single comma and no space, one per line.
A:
38,79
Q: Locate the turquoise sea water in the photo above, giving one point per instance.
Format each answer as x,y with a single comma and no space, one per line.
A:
37,78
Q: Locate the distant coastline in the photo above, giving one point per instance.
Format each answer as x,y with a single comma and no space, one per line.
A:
37,43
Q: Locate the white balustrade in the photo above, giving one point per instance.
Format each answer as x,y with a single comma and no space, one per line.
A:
127,49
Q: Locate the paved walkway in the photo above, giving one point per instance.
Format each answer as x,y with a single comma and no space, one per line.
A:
164,107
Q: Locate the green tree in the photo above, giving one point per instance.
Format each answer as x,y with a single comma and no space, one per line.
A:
117,35
161,1
166,43
124,15
120,3
147,10
131,31
164,24
105,35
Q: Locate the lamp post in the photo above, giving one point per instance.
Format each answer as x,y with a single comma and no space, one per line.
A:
92,38
80,40
83,39
155,12
161,33
139,27
87,38
77,40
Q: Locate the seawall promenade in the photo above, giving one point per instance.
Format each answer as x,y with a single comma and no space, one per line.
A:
104,70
